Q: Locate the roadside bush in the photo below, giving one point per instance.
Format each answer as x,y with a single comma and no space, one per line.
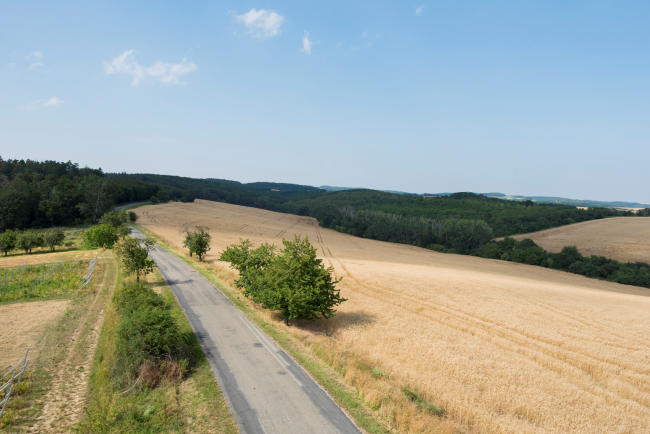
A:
154,200
150,344
104,235
133,217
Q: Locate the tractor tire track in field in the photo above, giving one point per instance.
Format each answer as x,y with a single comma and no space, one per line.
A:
534,348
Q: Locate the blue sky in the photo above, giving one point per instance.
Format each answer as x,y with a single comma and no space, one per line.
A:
535,98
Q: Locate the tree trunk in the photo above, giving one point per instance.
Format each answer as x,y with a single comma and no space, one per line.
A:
286,321
137,277
190,253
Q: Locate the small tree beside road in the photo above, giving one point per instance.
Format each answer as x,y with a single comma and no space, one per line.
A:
135,256
294,281
197,240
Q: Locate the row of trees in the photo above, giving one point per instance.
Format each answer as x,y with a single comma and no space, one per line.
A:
570,259
292,281
30,239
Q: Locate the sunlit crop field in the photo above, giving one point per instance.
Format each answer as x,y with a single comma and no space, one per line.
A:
626,239
503,347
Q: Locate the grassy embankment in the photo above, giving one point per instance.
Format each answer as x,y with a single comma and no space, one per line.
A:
376,400
191,404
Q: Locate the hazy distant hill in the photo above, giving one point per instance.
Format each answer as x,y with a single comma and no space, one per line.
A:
537,199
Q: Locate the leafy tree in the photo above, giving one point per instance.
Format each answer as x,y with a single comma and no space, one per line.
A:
163,196
114,218
133,217
304,288
251,264
135,256
53,237
98,196
154,200
104,235
123,231
8,241
197,240
28,240
491,251
534,255
294,282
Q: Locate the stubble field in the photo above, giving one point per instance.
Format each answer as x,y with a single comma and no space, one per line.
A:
626,239
503,347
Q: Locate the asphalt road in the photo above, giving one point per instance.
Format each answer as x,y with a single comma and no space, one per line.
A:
121,207
266,390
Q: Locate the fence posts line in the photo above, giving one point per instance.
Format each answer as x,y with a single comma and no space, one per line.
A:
8,387
85,280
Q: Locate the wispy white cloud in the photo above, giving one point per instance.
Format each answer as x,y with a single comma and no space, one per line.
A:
306,43
263,24
41,103
419,10
52,101
11,66
165,72
36,65
35,54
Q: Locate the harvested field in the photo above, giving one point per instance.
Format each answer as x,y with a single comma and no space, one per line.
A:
626,239
23,326
503,347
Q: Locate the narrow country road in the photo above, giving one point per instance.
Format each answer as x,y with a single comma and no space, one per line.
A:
266,390
121,207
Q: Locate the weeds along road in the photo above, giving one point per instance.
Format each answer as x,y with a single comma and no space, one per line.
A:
265,389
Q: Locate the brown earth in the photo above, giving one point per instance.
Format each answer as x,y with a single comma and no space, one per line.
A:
626,239
503,347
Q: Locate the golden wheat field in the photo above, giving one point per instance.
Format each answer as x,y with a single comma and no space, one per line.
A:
503,347
626,239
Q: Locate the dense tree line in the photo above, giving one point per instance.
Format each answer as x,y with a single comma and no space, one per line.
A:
461,235
569,259
504,217
50,193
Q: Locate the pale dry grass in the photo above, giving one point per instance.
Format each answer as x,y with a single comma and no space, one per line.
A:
23,326
503,347
626,239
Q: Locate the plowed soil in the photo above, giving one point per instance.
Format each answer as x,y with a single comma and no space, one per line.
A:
504,347
626,239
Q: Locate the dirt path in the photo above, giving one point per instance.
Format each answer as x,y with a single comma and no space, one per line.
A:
65,400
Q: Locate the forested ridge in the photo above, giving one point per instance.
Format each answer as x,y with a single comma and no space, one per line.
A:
49,193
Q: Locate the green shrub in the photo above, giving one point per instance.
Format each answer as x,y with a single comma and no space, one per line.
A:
437,247
104,235
150,344
491,251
